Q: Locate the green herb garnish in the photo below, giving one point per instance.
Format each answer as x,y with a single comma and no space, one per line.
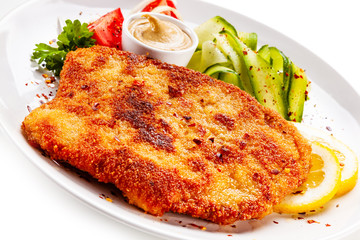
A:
74,35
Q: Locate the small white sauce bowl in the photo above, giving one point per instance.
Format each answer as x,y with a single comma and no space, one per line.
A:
177,57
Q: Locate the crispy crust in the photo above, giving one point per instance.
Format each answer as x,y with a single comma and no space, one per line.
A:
171,139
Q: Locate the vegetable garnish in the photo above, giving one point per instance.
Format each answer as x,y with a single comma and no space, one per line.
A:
74,35
108,29
334,172
267,74
167,7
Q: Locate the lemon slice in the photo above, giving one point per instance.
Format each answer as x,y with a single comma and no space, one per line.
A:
321,185
347,158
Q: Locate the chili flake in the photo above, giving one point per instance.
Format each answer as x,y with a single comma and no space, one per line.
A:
312,221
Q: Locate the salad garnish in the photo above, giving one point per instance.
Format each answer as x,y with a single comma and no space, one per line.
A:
74,35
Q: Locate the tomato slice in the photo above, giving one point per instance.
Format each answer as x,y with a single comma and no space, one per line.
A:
157,3
107,29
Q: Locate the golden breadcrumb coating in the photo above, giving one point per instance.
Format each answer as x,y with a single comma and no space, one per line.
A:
171,139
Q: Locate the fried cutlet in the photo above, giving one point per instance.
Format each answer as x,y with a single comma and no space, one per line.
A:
171,139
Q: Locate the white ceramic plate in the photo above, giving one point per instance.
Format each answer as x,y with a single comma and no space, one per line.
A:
21,83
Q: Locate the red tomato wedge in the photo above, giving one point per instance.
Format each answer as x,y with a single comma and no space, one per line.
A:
107,29
157,3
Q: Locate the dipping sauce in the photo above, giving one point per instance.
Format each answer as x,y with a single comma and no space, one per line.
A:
159,34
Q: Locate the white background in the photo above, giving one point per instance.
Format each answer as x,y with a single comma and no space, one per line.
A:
32,206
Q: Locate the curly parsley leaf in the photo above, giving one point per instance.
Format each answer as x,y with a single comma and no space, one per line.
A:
74,35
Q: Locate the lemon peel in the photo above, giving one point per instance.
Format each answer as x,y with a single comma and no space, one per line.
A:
322,184
347,158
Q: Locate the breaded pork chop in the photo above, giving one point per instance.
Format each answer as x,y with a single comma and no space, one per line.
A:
171,139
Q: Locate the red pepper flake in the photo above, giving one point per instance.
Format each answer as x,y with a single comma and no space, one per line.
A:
275,171
287,74
296,76
192,125
250,68
28,108
328,128
245,52
50,80
327,225
300,218
197,226
197,141
46,97
103,196
337,205
275,222
233,226
312,221
229,235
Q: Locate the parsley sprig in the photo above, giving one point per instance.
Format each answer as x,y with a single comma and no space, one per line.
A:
74,35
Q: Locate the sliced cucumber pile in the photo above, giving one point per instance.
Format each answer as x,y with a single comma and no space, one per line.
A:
267,74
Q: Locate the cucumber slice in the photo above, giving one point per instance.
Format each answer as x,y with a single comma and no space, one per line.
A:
195,61
250,39
277,59
264,52
231,77
225,74
281,64
212,26
230,46
225,47
287,72
208,56
265,82
297,94
212,55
